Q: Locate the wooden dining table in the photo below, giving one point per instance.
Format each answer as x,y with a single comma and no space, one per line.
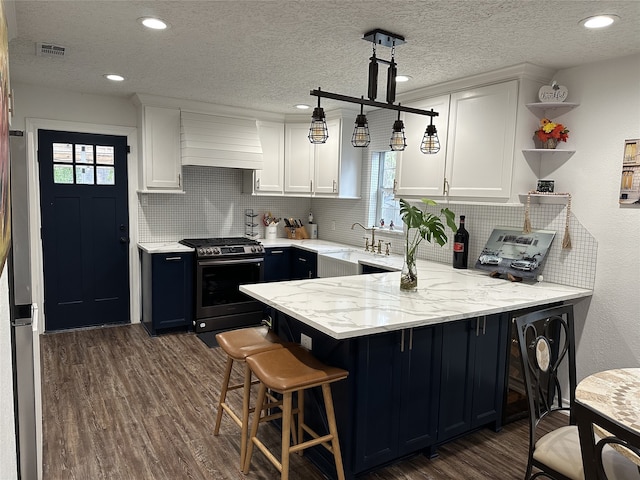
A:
614,394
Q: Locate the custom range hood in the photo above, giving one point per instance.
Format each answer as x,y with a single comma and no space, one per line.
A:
219,141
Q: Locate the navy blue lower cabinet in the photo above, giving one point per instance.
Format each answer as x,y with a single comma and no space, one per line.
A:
304,264
408,391
167,290
277,264
398,378
473,375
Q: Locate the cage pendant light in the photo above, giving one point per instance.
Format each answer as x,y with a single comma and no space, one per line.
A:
398,141
361,137
430,141
318,131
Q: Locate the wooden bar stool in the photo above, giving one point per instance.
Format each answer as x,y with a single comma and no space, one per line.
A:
238,345
285,371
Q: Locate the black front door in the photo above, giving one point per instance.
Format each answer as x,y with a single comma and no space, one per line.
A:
84,209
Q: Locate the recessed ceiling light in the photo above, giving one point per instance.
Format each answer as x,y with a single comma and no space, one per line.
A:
114,77
403,78
302,106
599,21
153,23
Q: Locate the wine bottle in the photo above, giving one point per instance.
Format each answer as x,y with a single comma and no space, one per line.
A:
461,246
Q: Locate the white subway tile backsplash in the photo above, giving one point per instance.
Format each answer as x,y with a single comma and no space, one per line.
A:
214,205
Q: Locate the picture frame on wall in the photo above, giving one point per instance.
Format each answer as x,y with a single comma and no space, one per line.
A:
630,175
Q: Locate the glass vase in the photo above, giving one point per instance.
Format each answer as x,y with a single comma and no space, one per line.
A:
409,274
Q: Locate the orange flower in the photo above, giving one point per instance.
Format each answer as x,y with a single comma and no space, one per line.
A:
549,129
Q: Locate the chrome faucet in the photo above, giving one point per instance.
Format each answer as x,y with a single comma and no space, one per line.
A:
373,232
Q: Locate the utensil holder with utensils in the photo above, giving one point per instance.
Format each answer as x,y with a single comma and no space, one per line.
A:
271,232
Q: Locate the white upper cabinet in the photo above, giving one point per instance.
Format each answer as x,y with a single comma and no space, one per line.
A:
480,146
331,169
476,128
159,131
418,174
298,159
326,165
270,179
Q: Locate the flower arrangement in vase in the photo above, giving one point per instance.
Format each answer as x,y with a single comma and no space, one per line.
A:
550,133
421,225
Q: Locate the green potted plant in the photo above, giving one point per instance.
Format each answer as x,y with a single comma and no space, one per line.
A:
421,225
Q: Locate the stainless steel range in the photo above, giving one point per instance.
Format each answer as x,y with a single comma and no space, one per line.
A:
222,265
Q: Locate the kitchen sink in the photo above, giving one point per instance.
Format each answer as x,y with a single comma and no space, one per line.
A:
349,262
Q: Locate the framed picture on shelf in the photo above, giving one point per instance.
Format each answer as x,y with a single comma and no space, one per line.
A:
508,250
630,177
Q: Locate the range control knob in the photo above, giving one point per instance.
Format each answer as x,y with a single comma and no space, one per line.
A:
216,251
253,249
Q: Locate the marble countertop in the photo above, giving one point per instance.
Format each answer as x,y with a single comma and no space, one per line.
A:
164,247
358,305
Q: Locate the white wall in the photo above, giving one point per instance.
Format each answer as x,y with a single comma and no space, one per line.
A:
38,102
8,464
609,113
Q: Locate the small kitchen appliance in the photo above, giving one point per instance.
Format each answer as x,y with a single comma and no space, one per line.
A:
221,266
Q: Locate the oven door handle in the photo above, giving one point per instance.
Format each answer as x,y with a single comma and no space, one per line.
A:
206,263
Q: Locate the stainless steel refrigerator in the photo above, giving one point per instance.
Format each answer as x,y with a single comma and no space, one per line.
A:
19,264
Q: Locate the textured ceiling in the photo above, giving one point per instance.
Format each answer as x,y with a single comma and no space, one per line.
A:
267,55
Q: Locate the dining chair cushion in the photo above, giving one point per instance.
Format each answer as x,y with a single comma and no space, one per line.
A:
560,450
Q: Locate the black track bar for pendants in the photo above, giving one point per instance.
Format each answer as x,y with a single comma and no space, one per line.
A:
371,103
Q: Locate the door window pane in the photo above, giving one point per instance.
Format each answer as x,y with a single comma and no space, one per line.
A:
62,152
106,176
84,175
62,174
104,154
84,154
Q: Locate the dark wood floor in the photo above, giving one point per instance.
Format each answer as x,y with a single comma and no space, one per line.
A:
119,404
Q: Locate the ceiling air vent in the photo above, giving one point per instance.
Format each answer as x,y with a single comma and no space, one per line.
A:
50,50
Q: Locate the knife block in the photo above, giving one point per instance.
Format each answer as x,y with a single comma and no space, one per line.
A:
299,233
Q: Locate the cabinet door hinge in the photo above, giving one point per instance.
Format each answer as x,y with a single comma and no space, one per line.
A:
128,149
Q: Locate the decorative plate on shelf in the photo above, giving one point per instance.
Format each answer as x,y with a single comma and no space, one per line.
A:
553,93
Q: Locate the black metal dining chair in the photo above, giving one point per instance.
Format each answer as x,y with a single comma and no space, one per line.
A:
609,449
547,347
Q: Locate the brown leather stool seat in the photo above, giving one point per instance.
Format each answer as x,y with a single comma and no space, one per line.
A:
238,345
288,370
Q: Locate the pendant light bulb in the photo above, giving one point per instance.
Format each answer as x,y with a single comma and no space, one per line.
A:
398,141
318,131
430,141
361,137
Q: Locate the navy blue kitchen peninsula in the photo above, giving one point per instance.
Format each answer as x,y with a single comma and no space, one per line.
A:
424,367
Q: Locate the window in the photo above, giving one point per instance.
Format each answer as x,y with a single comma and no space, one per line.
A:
93,164
387,208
